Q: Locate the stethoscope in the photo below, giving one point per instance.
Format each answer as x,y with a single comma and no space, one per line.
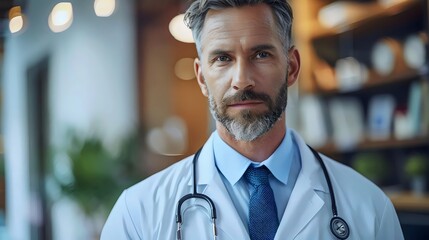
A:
338,226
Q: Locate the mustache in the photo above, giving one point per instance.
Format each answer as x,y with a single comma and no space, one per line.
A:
246,95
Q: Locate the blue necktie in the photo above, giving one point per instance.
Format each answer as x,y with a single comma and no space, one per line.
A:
263,220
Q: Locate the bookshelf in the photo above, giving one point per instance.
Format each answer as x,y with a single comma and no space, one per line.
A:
356,38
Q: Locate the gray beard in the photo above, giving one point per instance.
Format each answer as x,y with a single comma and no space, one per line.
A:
249,126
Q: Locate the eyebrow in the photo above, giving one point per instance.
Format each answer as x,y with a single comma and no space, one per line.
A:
262,47
217,52
253,49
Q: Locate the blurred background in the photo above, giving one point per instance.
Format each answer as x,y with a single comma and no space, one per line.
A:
96,95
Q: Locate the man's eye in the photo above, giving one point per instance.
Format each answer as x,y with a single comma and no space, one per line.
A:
262,55
223,59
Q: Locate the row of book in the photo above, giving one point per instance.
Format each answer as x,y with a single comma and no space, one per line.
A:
344,121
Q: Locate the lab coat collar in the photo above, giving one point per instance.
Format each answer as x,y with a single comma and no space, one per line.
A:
304,202
311,168
302,207
206,167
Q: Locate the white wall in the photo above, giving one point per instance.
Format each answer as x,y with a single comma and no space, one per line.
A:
92,86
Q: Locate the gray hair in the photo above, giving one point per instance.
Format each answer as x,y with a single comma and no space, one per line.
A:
196,13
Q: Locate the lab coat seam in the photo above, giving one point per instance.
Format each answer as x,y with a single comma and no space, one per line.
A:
129,214
381,219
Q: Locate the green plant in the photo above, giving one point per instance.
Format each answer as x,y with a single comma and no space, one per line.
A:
99,175
416,165
372,165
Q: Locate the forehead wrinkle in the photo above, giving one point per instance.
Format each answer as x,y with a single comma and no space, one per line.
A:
221,27
221,44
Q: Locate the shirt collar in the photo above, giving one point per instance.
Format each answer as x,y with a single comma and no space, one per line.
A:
233,165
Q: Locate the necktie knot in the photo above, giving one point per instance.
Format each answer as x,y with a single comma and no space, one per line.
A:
257,176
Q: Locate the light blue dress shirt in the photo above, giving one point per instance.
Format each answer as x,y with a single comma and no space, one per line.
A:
284,164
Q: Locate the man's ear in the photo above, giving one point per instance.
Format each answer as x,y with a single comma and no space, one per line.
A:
294,65
200,77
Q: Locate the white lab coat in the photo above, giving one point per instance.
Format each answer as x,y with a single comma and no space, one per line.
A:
147,210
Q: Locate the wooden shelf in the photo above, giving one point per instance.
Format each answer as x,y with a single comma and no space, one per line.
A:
376,81
404,76
409,202
380,17
392,143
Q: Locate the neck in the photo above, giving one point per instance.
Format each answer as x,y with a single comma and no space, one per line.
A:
259,149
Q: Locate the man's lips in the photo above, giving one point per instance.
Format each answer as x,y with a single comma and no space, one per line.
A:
245,103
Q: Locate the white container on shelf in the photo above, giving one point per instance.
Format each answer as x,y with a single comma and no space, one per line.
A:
380,116
415,50
347,121
313,125
387,56
350,74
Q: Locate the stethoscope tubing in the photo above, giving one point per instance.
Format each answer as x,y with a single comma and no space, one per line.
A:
195,195
328,181
338,225
340,234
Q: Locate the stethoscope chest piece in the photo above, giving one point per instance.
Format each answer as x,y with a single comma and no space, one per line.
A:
340,228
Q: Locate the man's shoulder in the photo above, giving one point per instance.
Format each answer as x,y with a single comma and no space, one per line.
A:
349,180
140,205
341,175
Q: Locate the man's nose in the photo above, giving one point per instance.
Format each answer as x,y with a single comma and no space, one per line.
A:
242,78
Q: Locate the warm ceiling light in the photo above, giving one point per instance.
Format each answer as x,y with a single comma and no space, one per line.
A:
61,17
104,8
184,69
16,24
179,30
16,20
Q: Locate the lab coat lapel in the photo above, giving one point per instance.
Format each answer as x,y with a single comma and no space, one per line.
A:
228,219
304,203
210,183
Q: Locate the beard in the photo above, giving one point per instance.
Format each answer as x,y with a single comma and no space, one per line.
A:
248,126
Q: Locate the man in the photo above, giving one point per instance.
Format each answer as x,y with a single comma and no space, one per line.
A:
265,183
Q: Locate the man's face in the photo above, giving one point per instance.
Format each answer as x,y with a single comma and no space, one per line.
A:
243,69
